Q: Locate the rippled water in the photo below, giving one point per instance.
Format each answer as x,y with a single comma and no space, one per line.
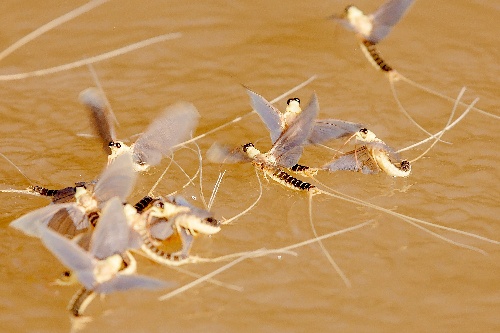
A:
402,278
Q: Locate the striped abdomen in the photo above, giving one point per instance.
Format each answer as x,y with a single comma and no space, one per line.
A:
373,56
287,180
80,301
158,255
44,191
143,204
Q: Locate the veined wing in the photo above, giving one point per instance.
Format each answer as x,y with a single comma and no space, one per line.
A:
101,117
112,234
70,254
170,129
117,180
31,223
222,154
359,159
288,148
271,116
386,17
126,282
329,129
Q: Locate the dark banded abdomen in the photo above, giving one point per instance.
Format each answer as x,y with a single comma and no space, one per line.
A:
143,204
287,180
80,301
371,51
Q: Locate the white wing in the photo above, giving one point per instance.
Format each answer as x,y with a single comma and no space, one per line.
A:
118,179
272,117
171,128
288,147
126,282
386,17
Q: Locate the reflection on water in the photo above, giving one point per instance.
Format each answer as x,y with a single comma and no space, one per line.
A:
401,276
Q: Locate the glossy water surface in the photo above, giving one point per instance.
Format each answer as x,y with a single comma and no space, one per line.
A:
403,279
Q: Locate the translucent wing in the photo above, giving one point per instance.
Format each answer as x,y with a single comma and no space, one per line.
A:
386,17
222,154
271,116
329,129
101,117
359,159
126,282
345,23
382,147
118,179
31,223
161,229
171,128
111,236
288,147
180,201
70,254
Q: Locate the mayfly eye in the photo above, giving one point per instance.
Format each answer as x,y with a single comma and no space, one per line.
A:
66,273
296,99
118,145
248,145
111,144
159,204
364,130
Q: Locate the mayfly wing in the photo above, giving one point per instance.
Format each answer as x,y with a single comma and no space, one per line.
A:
222,154
330,129
381,146
112,233
170,129
118,179
126,282
161,229
288,147
70,254
272,117
386,17
181,201
355,160
101,117
31,223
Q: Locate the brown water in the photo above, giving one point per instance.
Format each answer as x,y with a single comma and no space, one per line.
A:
403,279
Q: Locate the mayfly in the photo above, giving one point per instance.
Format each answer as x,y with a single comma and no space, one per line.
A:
107,266
374,155
166,216
276,122
117,179
171,128
285,152
372,28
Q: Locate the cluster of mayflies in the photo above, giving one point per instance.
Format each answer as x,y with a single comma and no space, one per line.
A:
93,230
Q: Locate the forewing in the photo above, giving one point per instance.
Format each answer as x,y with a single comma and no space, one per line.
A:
355,160
118,179
170,129
288,147
31,223
271,116
341,20
69,253
380,146
101,117
222,154
330,129
126,282
111,235
386,17
161,229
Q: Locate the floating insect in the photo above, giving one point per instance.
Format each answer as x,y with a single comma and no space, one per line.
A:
374,155
70,218
171,128
372,28
285,152
173,214
276,122
107,266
